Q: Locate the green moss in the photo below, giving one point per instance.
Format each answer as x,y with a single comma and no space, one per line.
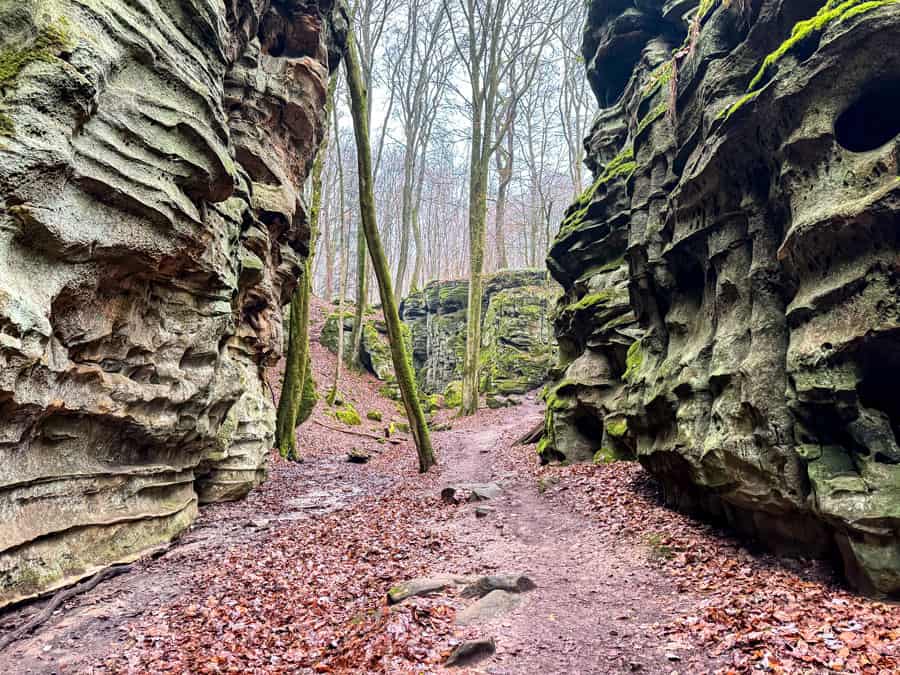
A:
728,111
374,415
51,40
621,165
592,300
651,117
617,428
402,426
348,415
309,397
453,395
604,456
633,361
660,77
832,12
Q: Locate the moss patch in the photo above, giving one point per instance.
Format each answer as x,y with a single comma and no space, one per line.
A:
633,361
348,415
832,12
622,164
374,415
617,428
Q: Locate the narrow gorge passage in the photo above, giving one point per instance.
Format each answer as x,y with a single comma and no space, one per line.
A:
295,578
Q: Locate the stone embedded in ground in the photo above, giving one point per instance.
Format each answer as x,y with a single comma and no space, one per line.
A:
473,492
358,457
470,652
424,586
483,511
511,583
489,607
749,361
152,161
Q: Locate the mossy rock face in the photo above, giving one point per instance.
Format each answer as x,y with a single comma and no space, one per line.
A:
150,233
748,361
453,394
517,349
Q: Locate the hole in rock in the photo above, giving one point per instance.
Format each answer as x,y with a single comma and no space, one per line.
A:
589,427
872,120
880,375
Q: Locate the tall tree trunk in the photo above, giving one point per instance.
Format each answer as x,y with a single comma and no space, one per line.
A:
417,230
362,293
327,235
504,158
405,215
342,270
477,217
295,370
401,357
298,389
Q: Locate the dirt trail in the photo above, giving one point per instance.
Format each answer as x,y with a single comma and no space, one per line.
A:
597,608
294,578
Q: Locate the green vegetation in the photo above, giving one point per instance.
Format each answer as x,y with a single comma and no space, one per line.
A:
832,12
453,394
651,117
633,361
622,164
51,40
728,111
604,456
374,415
660,77
617,428
348,415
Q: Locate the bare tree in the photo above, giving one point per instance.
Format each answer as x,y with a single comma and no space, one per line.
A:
401,358
490,36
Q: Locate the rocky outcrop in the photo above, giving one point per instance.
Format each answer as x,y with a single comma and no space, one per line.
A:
747,199
517,345
151,227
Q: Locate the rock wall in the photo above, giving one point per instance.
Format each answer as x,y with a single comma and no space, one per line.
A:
152,157
747,199
517,345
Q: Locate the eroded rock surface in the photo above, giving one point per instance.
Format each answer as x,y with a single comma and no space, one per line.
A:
151,163
731,313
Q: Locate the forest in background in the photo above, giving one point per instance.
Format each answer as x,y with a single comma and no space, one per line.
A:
421,129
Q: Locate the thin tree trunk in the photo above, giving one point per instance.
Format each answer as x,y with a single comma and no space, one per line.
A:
417,230
477,213
362,273
297,388
342,272
405,215
401,356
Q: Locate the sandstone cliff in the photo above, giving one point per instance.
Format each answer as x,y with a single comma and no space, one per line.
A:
152,157
731,313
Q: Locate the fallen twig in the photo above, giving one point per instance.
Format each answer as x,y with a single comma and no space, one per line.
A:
533,435
395,441
59,599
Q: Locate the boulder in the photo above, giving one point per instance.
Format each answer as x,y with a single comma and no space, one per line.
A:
511,583
471,651
423,586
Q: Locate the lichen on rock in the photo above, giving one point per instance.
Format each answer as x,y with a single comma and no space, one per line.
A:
151,161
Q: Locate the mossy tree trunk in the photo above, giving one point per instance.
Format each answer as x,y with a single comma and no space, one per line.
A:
361,298
342,272
401,357
298,395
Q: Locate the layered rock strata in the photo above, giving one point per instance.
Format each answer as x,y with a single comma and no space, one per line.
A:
747,199
152,158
